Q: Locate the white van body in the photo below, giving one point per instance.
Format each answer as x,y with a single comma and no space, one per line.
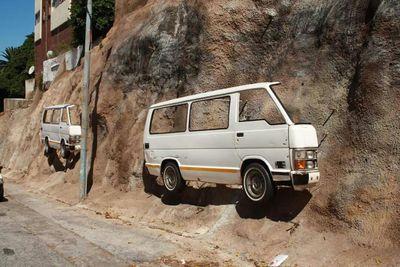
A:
221,155
57,129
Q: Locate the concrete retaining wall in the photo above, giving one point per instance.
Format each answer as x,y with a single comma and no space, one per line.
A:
15,103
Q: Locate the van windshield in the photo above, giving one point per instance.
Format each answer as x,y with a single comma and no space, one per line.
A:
74,115
257,104
290,108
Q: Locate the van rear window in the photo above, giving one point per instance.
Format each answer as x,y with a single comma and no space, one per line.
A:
47,116
212,114
169,119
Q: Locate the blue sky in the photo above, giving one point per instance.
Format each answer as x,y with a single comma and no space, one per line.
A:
16,21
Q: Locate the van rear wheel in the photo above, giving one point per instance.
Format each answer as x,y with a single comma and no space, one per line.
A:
172,178
257,183
47,148
1,192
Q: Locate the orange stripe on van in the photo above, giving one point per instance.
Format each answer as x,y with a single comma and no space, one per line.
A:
152,165
205,169
189,168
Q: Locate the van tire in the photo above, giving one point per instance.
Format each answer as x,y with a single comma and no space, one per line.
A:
257,183
47,149
172,178
1,192
63,150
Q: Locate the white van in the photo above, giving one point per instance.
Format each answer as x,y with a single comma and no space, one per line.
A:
60,129
240,135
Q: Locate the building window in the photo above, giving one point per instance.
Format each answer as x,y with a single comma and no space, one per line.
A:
56,3
37,18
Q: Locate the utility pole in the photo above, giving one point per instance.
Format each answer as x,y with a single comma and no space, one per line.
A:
85,103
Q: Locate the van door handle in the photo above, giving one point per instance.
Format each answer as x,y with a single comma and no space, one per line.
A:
239,134
146,145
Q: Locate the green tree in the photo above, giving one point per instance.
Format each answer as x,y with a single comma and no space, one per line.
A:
14,68
7,56
102,19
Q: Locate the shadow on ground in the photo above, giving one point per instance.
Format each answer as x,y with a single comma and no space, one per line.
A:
284,206
60,164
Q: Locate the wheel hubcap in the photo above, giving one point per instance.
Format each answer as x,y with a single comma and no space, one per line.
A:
170,178
255,184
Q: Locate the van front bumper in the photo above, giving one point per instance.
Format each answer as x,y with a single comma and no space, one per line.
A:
304,179
77,147
71,147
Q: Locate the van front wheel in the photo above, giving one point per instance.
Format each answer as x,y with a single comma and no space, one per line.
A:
172,178
63,150
257,183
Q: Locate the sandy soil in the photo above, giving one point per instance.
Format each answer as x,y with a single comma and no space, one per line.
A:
230,231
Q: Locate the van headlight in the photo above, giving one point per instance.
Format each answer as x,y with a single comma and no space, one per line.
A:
74,139
305,159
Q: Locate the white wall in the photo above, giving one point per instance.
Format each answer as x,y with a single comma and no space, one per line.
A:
60,14
38,26
29,88
50,69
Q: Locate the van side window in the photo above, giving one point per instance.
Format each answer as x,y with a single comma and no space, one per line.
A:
56,116
257,105
169,119
64,116
212,114
47,116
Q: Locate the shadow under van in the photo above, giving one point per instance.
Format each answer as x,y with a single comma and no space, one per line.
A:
284,206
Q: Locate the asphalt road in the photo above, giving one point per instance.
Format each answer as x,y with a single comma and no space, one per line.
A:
35,231
19,246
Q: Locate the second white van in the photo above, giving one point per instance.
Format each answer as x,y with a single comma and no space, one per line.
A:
241,135
60,129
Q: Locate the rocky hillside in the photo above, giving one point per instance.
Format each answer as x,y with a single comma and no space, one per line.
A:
338,58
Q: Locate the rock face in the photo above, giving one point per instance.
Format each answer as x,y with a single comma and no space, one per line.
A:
338,58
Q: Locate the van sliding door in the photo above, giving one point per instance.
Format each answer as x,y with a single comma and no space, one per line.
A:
54,134
210,155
